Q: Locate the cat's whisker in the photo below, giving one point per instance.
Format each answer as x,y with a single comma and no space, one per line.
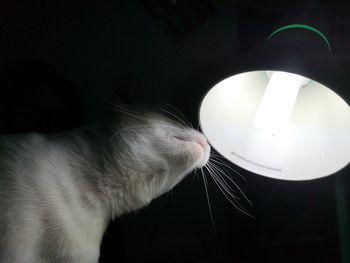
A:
208,200
219,156
135,114
176,117
219,177
228,195
164,124
232,201
212,166
222,182
215,166
120,108
218,161
183,120
182,115
135,108
127,111
221,171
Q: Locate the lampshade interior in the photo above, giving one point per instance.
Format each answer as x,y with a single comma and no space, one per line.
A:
316,142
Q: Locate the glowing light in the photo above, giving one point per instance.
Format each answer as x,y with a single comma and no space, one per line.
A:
277,104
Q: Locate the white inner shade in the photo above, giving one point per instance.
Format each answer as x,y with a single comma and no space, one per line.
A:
301,133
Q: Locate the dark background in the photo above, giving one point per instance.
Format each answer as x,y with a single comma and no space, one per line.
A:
62,63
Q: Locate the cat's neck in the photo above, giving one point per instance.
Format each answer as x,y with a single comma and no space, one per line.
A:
100,161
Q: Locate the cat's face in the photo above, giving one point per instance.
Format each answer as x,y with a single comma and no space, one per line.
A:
158,153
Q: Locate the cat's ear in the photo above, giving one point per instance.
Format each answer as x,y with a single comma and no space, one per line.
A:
128,90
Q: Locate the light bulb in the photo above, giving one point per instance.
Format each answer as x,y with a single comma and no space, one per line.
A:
276,106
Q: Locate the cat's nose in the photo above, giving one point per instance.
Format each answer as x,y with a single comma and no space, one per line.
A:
201,140
204,142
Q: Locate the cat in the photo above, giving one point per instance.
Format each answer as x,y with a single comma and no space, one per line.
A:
58,192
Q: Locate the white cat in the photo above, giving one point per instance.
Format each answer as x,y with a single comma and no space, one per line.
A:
58,192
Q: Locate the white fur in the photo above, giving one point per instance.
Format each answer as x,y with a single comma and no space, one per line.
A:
57,193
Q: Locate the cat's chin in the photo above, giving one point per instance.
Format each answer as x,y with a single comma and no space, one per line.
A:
204,146
205,155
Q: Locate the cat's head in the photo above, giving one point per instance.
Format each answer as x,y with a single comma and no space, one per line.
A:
155,153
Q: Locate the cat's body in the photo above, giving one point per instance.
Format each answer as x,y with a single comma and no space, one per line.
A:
58,192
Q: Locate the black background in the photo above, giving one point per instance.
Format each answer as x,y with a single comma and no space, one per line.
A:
63,62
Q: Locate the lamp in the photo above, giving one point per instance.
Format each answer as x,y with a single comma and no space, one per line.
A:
286,113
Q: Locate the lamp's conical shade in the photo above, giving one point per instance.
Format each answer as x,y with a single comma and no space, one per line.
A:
316,141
